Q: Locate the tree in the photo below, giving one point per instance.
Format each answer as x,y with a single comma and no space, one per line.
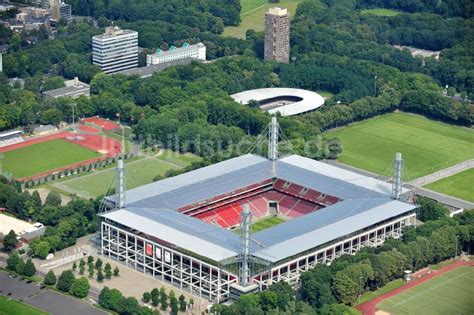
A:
182,303
98,264
90,259
430,210
345,289
128,306
100,276
155,297
108,271
146,297
12,261
110,299
116,272
53,198
80,288
20,267
65,281
30,268
90,270
10,241
163,302
74,266
42,249
50,278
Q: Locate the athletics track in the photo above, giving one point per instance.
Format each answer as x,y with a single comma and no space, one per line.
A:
369,307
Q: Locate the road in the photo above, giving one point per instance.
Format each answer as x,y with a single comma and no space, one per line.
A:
449,171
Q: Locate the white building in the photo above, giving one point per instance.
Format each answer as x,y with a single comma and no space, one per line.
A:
196,51
115,50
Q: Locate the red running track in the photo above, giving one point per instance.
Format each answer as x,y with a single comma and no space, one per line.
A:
105,124
88,129
35,140
369,307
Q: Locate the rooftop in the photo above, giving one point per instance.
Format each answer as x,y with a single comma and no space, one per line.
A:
307,100
72,87
152,208
144,72
173,50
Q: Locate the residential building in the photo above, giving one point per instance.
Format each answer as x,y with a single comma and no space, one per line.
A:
196,51
277,35
115,50
61,11
74,88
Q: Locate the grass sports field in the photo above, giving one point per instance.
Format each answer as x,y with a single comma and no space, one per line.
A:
138,173
44,156
381,12
9,307
179,159
451,293
427,146
254,16
460,185
263,224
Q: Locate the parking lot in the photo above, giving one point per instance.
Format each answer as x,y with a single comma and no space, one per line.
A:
45,299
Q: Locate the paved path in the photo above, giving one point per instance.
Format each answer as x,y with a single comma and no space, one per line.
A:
451,202
369,307
449,171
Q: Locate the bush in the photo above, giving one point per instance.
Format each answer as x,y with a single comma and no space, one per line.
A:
146,297
30,268
20,267
50,278
12,261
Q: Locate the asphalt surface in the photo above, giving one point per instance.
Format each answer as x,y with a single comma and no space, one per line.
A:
45,299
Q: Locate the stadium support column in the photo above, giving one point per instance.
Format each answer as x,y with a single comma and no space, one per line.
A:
244,246
120,184
397,176
273,140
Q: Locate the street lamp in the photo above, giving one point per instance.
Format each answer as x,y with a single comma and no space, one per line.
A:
360,287
375,85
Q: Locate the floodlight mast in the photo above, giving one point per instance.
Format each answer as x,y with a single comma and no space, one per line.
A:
397,183
245,246
273,140
120,176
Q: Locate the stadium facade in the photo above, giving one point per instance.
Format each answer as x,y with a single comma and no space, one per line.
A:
181,230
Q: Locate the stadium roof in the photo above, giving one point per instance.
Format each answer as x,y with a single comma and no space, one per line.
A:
152,208
309,100
320,227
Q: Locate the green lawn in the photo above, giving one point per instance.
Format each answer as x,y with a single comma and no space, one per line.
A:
248,5
179,159
451,293
12,307
427,146
263,224
138,173
381,12
44,156
460,185
255,19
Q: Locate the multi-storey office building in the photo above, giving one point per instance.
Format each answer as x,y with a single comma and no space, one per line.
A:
115,50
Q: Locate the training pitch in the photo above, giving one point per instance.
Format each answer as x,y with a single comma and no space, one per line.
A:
254,16
44,156
137,173
427,146
450,293
460,185
381,12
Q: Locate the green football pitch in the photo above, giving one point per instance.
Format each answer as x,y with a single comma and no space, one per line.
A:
460,185
44,156
427,146
263,224
451,293
137,173
254,16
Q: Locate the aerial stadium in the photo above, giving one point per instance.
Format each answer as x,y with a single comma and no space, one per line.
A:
285,101
194,230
